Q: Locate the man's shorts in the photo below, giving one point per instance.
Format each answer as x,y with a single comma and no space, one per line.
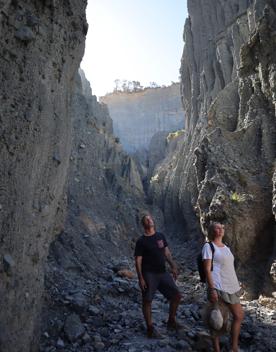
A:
163,282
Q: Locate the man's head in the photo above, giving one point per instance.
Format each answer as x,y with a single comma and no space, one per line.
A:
147,222
215,229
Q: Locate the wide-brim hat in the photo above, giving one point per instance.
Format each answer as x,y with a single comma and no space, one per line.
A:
217,317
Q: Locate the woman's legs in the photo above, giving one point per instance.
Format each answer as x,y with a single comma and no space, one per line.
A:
238,314
216,344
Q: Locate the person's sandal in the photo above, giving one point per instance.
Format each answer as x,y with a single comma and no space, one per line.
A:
174,326
152,333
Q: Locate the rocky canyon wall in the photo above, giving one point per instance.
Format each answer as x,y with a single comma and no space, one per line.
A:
42,43
104,184
224,168
105,204
137,116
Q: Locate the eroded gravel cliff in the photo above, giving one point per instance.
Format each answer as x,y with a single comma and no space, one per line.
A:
105,193
42,43
224,168
105,204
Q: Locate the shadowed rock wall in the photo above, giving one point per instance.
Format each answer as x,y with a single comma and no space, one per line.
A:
104,182
42,43
224,169
105,203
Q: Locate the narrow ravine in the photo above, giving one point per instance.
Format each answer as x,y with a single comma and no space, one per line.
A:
71,197
104,313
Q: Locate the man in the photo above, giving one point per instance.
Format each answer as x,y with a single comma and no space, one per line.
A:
151,254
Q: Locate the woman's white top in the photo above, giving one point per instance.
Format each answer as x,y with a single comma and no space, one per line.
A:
223,274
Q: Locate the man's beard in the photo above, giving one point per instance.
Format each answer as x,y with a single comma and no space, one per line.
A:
149,227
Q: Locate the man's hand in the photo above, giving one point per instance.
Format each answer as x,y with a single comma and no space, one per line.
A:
142,283
171,262
174,272
138,264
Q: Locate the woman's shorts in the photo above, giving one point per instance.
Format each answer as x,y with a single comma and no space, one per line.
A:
230,298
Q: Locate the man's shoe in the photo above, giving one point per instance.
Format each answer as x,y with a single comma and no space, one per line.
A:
174,326
152,333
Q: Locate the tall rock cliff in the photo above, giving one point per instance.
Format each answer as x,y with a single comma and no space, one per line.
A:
42,43
137,116
105,203
104,182
224,169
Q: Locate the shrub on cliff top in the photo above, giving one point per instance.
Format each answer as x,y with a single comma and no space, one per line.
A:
175,134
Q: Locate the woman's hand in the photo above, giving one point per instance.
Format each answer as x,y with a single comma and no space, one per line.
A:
242,285
212,295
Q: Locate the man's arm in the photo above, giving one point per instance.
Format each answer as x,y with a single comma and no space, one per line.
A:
171,262
138,264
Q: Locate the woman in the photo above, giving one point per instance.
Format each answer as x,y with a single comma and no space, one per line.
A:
222,280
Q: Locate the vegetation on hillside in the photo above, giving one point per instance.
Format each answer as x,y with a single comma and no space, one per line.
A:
125,86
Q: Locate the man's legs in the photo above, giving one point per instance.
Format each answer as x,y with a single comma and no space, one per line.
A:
169,289
174,303
152,281
147,313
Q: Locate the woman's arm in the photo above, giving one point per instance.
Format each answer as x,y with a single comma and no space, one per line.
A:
212,293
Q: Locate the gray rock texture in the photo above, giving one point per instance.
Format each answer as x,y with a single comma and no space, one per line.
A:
105,204
137,116
42,43
224,168
157,150
274,194
105,193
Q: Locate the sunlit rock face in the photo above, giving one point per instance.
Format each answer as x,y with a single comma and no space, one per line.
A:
224,169
42,43
137,116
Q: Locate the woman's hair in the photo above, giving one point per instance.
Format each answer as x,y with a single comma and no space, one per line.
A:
211,230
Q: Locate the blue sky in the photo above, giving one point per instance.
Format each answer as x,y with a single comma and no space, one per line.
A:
134,40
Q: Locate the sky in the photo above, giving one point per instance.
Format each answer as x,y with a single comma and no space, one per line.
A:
135,40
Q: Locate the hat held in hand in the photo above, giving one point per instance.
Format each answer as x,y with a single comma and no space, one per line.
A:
216,318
